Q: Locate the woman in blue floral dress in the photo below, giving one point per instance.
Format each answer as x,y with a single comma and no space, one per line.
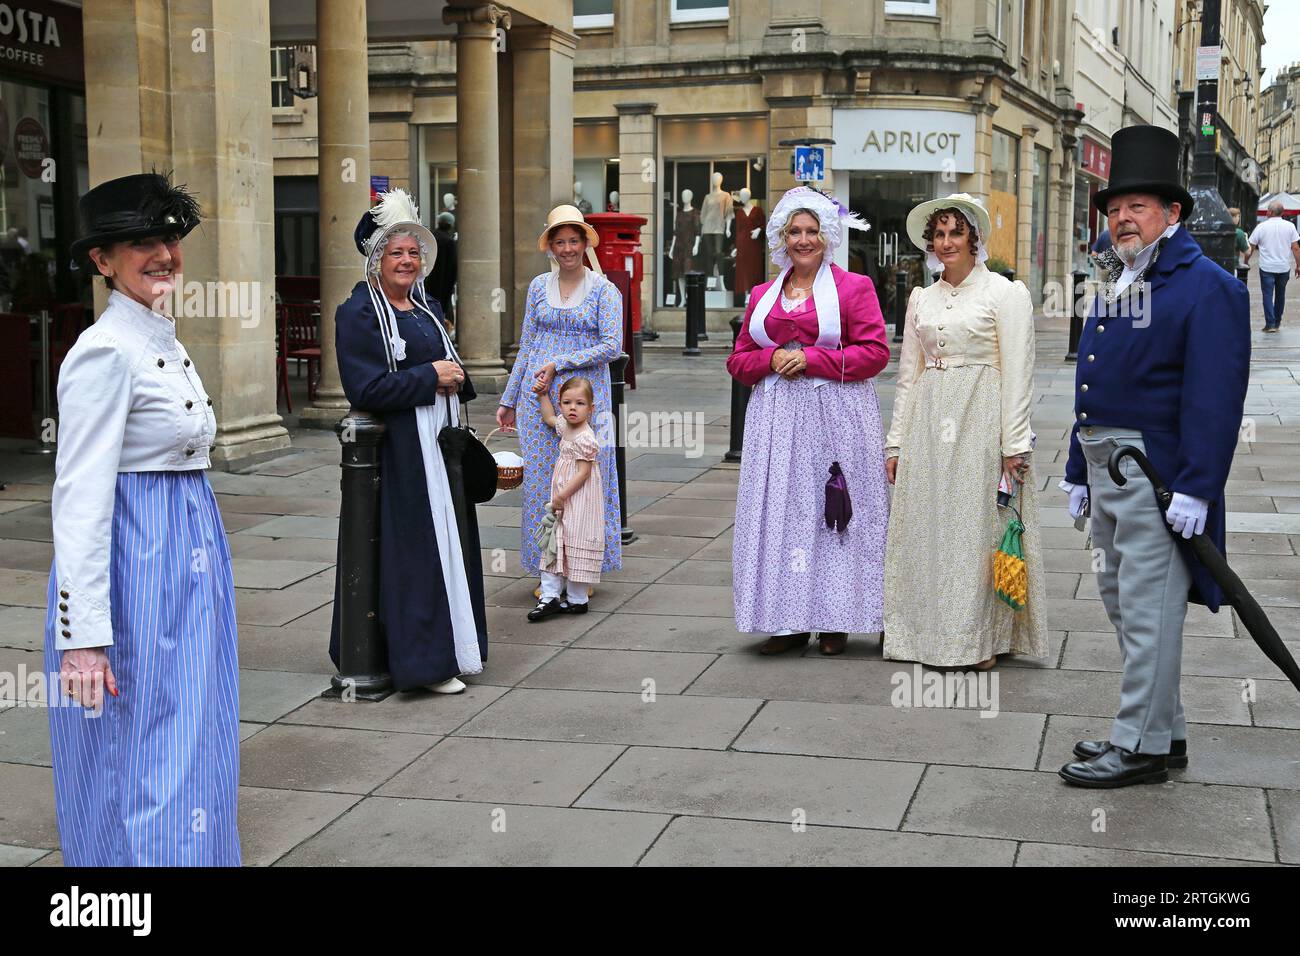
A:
573,325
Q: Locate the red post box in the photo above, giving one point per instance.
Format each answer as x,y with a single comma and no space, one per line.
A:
620,248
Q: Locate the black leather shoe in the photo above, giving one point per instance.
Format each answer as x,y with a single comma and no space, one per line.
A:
546,609
1116,767
574,608
1087,749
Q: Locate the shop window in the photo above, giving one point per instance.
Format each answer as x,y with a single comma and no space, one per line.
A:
695,11
711,231
1004,199
592,14
916,8
1038,234
884,250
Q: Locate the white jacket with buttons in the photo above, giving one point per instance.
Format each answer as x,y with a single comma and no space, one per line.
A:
986,320
130,399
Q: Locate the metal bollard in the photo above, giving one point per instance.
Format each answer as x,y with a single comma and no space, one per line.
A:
1010,274
694,312
616,384
739,402
900,304
1076,315
1243,273
42,447
363,653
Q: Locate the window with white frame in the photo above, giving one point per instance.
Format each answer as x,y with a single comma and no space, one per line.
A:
588,14
919,8
281,64
696,11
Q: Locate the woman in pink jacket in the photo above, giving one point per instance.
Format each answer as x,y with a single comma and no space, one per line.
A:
812,506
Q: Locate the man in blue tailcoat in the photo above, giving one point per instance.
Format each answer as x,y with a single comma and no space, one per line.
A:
1163,365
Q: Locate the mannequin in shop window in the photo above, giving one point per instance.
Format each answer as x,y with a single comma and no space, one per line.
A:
685,246
612,206
716,215
750,221
584,206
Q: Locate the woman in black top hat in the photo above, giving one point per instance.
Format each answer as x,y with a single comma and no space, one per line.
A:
397,361
141,622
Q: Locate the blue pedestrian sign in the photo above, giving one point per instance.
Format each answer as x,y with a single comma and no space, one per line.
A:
809,164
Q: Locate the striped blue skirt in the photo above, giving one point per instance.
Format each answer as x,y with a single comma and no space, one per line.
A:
154,780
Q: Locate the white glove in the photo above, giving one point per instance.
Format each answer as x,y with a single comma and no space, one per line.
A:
1078,497
1187,514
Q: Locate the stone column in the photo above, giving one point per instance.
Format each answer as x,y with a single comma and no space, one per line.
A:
1025,208
542,61
343,177
183,87
478,180
639,189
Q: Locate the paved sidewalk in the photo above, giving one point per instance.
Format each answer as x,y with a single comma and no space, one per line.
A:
650,732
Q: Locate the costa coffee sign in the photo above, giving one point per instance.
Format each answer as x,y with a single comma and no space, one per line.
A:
42,40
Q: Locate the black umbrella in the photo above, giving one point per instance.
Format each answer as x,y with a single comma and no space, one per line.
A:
1234,592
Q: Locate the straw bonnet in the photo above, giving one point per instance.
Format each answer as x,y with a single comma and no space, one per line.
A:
566,215
969,206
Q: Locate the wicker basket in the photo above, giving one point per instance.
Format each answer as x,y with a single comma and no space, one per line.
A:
508,477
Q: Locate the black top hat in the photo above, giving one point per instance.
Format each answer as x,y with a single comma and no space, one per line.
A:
1145,160
133,207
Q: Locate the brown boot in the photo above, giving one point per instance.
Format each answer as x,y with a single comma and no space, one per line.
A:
780,643
832,642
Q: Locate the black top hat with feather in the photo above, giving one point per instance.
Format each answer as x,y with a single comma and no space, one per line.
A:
134,207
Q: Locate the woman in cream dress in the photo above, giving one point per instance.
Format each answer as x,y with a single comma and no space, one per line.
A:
960,422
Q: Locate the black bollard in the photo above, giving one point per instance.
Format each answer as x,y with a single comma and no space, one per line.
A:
1010,274
1076,315
694,312
363,653
739,402
616,385
900,304
1243,273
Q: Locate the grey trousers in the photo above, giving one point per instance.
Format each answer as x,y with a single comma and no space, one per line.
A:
1144,582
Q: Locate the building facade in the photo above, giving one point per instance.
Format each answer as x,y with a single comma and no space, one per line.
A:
1240,71
1277,151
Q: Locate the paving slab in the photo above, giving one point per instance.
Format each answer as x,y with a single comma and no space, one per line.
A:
273,608
508,664
754,786
594,669
1232,756
683,599
283,549
25,736
27,810
912,734
604,717
510,625
1041,808
648,545
20,855
448,833
1285,807
486,770
273,822
703,841
26,555
641,570
410,712
265,696
18,676
1203,656
294,526
292,648
22,627
330,759
659,632
1056,854
265,574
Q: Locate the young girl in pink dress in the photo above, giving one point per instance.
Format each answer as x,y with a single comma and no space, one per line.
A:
577,498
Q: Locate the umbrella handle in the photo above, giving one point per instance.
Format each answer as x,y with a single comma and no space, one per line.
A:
1163,495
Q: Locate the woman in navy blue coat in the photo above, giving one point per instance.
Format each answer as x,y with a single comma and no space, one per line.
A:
397,362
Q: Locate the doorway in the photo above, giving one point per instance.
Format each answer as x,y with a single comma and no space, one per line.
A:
884,200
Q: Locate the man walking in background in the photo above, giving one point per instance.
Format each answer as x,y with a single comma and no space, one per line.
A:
1279,252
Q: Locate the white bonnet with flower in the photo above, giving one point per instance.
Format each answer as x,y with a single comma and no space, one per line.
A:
832,218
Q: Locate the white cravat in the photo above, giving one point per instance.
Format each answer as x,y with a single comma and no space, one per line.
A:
1131,272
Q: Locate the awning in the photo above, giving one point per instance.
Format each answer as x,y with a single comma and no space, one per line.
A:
1290,204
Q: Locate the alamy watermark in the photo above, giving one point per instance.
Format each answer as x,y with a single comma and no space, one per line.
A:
950,689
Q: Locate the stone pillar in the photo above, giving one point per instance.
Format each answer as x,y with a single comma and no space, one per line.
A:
542,62
639,189
183,87
1025,208
343,111
478,180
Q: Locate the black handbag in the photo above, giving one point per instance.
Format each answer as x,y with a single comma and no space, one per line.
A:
469,463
